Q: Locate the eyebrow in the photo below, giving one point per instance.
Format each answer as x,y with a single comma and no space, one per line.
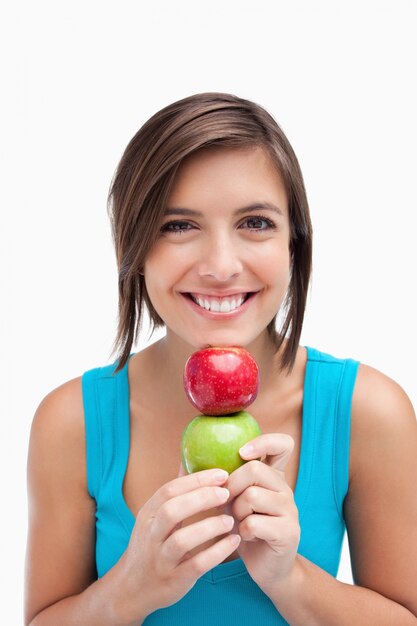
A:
255,206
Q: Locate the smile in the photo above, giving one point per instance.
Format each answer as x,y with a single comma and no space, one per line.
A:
219,305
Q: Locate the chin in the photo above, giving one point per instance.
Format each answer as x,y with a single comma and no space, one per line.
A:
225,340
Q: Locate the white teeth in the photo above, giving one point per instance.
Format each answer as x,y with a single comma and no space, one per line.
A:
219,306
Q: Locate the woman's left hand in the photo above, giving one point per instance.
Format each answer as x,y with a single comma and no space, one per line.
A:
263,506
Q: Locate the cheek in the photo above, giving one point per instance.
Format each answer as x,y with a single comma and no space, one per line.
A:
156,266
162,270
165,257
274,265
153,275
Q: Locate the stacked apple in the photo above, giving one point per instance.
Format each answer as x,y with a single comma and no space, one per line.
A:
220,383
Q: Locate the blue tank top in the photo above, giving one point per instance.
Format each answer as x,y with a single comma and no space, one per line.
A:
227,594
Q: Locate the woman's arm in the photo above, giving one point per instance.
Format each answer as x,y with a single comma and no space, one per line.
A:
381,517
60,584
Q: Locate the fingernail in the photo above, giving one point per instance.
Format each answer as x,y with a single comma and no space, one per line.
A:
234,539
222,493
246,450
220,476
228,521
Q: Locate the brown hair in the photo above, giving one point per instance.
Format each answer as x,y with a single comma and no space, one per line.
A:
142,183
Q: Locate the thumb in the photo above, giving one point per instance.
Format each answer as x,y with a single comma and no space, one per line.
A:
181,471
275,447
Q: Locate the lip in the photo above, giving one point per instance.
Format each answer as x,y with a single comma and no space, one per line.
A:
214,315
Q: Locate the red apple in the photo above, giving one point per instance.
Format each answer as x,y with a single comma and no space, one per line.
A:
220,381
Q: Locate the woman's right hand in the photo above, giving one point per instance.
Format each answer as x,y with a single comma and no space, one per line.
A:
158,569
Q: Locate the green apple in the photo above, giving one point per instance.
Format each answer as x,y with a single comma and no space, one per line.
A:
214,441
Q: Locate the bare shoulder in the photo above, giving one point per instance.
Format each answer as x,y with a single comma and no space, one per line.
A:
57,466
377,392
381,505
65,400
383,417
60,556
58,426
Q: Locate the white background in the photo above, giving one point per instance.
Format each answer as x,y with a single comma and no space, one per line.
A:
79,80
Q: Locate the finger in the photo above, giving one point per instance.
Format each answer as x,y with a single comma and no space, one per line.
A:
185,484
181,471
183,541
278,532
277,447
255,473
258,500
176,510
205,560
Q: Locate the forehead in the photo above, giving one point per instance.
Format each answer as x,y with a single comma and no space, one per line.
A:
236,175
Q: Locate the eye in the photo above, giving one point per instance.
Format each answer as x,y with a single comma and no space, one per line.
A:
259,222
177,227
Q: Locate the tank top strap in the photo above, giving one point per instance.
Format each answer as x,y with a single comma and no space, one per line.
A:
341,448
106,413
330,403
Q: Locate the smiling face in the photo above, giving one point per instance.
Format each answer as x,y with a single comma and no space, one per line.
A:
220,268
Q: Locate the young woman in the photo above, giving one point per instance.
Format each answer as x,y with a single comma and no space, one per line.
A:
208,207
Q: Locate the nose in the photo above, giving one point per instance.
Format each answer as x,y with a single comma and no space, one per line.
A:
220,259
